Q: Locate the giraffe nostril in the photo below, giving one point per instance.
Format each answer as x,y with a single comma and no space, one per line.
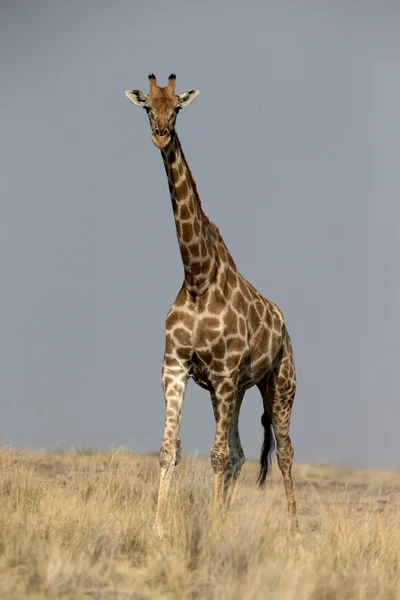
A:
157,131
166,132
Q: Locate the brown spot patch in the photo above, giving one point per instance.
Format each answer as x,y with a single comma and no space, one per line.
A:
185,255
172,319
183,352
206,265
175,317
232,362
275,339
196,267
212,334
187,232
236,345
182,336
260,306
201,339
253,317
230,320
228,292
210,322
238,302
194,250
206,335
276,323
218,366
217,302
263,340
219,349
184,213
182,191
169,345
196,227
225,388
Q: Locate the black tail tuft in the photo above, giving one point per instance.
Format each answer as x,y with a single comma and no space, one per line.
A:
267,448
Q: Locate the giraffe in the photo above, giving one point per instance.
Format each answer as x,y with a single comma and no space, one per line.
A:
220,331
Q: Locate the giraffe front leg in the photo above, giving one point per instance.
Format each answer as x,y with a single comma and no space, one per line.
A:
223,399
174,381
236,454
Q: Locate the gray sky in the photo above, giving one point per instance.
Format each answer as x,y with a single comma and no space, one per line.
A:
294,143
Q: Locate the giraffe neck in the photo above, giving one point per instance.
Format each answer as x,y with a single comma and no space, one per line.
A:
196,234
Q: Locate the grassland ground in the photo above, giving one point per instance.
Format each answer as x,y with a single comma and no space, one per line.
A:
79,525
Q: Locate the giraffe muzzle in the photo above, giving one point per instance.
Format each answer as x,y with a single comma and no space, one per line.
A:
161,138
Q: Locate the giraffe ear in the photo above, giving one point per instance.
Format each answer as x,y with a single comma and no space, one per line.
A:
137,97
187,97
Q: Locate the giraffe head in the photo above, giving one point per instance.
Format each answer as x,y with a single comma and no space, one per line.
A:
162,105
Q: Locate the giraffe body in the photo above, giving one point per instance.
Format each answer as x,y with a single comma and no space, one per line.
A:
237,338
220,331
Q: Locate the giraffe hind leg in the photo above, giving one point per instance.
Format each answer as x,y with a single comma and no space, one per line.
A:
278,391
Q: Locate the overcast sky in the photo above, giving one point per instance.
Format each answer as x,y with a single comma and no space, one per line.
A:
294,143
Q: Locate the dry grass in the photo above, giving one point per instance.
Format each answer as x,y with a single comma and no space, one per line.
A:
76,525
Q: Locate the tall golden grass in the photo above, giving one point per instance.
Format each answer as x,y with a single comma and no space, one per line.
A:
76,525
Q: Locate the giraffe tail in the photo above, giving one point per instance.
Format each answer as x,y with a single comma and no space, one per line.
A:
267,448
